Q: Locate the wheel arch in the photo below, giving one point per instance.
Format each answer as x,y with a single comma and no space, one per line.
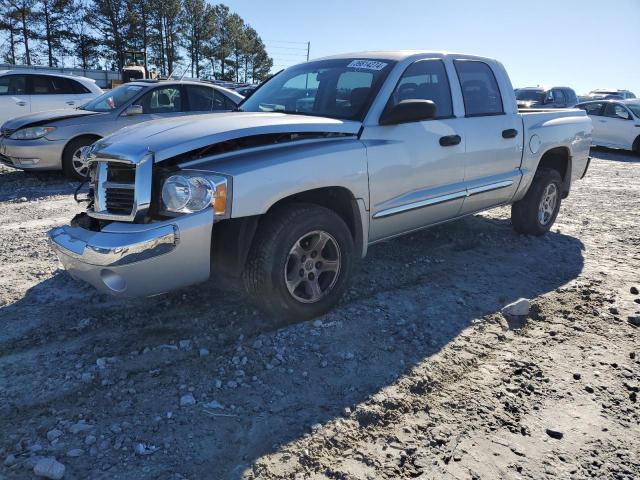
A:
233,238
93,136
559,159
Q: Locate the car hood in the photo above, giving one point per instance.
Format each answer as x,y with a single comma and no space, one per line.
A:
41,118
174,136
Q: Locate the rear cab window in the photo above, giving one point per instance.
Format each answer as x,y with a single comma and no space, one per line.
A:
480,90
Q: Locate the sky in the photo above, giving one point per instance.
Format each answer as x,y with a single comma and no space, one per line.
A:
583,44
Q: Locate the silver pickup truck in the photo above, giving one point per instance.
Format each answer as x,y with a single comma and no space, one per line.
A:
323,160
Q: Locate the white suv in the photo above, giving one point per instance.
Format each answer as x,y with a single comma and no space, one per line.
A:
23,92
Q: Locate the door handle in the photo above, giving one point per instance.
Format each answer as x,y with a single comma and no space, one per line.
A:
21,103
71,102
510,133
450,140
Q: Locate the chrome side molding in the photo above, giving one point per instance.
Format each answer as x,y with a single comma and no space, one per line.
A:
443,198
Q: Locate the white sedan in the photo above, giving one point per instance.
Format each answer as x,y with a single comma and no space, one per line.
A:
616,123
28,91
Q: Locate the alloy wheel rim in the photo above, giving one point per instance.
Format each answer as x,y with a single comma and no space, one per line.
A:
79,165
548,204
313,266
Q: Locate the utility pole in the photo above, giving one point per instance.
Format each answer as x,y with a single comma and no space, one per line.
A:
308,50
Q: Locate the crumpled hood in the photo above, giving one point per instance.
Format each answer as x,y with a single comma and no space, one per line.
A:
173,136
40,118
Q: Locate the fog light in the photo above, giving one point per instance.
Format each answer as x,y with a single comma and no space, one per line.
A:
113,281
24,162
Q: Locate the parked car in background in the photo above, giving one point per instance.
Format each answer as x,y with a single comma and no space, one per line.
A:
53,140
23,92
609,94
246,91
540,97
616,123
325,159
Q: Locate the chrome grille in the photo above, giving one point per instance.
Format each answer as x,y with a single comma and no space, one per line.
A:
122,189
119,200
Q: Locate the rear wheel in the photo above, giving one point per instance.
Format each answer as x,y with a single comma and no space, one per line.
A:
300,262
537,211
636,146
73,166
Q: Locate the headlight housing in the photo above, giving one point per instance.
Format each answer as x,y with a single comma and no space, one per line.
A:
193,191
31,133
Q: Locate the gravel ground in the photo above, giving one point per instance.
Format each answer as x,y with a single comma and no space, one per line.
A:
416,375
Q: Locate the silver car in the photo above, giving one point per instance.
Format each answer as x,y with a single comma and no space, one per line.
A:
53,140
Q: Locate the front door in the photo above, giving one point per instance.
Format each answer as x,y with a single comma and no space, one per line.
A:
618,126
493,139
416,170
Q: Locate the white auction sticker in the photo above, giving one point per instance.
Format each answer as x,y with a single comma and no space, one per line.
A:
367,64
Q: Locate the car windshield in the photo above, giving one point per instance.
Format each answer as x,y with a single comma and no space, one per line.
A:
527,95
113,99
635,108
340,88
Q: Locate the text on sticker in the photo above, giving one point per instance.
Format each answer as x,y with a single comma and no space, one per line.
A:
367,64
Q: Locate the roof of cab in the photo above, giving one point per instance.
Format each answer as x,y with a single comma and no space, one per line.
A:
397,55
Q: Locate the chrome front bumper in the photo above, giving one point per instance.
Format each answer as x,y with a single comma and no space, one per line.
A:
133,260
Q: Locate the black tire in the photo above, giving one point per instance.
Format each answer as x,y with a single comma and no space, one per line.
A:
636,146
269,258
67,156
525,213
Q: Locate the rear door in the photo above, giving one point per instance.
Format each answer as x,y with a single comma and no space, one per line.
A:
595,111
493,136
14,98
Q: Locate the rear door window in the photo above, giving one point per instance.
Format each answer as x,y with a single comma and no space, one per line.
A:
13,85
49,85
425,80
77,87
480,90
205,99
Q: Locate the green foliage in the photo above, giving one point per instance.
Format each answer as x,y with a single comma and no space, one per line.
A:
206,39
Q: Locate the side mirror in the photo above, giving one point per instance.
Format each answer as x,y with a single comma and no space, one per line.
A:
408,111
133,110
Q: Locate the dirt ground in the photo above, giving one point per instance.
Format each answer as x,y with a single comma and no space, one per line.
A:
417,374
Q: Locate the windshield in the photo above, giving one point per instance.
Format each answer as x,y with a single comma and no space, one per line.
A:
342,89
635,108
113,99
530,95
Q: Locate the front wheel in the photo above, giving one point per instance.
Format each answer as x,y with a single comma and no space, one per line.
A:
537,211
300,262
73,166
